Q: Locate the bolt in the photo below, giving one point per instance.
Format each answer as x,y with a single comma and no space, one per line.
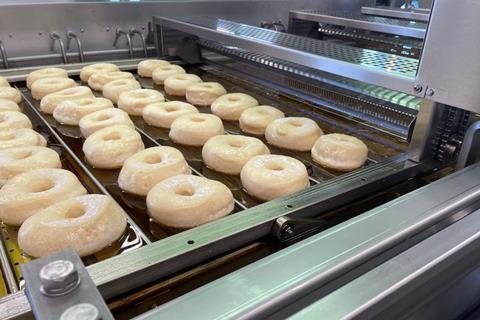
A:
81,311
418,88
430,92
108,29
40,33
82,30
58,278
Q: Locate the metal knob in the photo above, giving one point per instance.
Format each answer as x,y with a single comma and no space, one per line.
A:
58,278
81,311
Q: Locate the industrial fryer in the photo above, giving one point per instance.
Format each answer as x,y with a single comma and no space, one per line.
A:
407,221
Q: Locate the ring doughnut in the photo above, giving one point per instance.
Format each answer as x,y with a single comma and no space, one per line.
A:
104,118
230,106
71,111
49,103
195,129
9,93
29,192
163,72
177,85
87,71
114,89
42,87
204,93
45,73
98,79
8,105
267,177
21,138
108,148
10,120
294,133
255,120
133,102
86,224
4,82
142,171
14,161
146,67
186,201
229,153
162,114
340,152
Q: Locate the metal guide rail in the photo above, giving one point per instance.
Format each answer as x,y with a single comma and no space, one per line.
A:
414,29
378,68
399,13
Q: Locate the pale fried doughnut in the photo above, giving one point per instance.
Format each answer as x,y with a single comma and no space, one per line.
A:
163,72
109,147
9,93
11,120
45,73
14,161
86,224
230,106
294,133
87,71
255,120
186,201
104,118
229,153
21,138
204,93
29,192
133,102
114,89
52,100
4,82
100,79
8,105
177,85
71,111
146,67
340,152
146,168
162,114
267,177
195,129
43,87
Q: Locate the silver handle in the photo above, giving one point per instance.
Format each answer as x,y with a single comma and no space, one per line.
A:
118,33
3,53
133,32
72,35
56,38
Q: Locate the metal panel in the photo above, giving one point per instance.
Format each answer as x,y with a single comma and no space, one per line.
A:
399,13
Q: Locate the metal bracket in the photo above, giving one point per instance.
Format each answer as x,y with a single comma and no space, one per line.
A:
72,35
470,146
59,287
288,229
56,38
3,53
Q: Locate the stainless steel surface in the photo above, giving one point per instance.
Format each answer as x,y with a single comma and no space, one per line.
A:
6,269
3,53
120,32
57,39
399,13
404,287
15,306
134,32
470,148
373,67
260,289
72,35
399,27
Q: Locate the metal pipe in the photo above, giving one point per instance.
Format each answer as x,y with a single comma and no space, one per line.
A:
56,37
133,32
3,53
72,35
118,33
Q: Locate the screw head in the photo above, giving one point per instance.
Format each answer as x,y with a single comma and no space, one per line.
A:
82,30
58,277
430,92
417,88
81,311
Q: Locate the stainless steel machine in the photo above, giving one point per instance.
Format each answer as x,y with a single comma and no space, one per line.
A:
397,238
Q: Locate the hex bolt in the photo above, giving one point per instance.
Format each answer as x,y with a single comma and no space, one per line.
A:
430,92
418,88
58,277
81,311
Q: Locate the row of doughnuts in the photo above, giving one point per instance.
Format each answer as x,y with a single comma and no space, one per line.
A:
46,201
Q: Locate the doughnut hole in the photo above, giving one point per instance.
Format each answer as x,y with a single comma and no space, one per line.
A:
274,166
75,211
236,143
7,136
24,154
197,119
185,190
153,159
103,117
112,136
233,99
295,123
41,185
171,109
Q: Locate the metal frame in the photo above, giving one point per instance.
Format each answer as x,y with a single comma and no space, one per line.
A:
399,13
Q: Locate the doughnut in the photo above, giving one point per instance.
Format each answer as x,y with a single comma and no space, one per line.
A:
176,85
267,177
29,192
52,100
255,120
186,201
104,118
99,79
163,72
294,133
14,161
146,67
71,111
10,120
195,129
21,138
114,89
142,171
340,152
133,102
109,147
42,87
8,105
87,71
86,224
162,114
4,82
229,153
203,94
230,106
9,93
45,73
